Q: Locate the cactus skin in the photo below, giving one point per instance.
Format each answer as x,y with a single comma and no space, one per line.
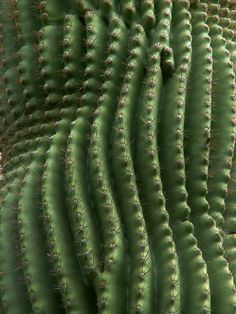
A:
140,286
194,281
218,179
117,122
198,131
35,264
229,220
113,246
166,271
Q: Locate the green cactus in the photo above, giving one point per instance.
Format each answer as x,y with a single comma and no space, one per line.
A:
117,137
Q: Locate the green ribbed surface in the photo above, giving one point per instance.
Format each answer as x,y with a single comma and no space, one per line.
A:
117,137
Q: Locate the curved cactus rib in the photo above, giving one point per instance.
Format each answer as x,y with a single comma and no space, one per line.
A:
230,225
33,242
198,139
229,239
193,273
9,62
12,281
28,23
82,221
134,189
57,225
86,235
140,284
112,283
150,188
221,149
223,125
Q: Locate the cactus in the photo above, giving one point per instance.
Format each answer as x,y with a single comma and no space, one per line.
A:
118,157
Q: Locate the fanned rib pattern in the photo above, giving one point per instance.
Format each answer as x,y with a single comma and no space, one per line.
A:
117,141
